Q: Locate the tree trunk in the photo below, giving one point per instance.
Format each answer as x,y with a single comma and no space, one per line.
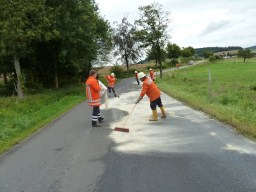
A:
5,78
127,63
56,80
19,77
159,59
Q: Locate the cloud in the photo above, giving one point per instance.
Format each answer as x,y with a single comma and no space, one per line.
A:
214,26
197,23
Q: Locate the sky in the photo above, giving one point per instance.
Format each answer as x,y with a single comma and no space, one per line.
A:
196,23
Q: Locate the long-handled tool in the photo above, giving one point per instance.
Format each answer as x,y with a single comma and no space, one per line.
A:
122,129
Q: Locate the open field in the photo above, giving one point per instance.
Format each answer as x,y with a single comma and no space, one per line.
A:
225,90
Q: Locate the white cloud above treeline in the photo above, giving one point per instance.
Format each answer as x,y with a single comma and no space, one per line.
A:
196,23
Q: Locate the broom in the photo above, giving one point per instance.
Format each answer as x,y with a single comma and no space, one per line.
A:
122,129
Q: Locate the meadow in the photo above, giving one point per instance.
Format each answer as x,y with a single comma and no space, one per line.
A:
225,90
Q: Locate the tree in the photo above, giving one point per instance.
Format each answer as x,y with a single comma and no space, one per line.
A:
245,53
125,42
84,35
187,52
21,23
152,29
173,51
152,55
207,54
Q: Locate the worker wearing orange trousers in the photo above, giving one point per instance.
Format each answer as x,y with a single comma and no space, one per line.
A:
152,91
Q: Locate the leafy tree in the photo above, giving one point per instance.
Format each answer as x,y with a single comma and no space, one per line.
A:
21,23
5,63
125,42
245,54
173,51
207,54
187,52
152,55
84,39
152,29
84,35
5,67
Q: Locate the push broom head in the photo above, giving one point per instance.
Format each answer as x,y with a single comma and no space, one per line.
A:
121,129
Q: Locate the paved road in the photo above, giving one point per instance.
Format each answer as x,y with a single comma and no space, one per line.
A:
187,152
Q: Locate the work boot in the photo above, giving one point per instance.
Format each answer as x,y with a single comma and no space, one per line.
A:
154,116
101,119
95,124
116,95
163,116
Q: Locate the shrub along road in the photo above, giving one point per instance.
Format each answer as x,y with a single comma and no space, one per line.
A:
188,151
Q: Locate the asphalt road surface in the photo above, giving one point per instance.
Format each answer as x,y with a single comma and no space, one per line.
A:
187,152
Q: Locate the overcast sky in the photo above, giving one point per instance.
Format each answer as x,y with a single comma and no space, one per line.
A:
196,23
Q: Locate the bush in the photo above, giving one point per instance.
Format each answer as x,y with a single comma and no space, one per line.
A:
171,63
116,70
120,73
214,58
7,89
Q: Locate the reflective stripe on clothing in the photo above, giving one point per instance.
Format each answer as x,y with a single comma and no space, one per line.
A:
93,91
95,113
91,101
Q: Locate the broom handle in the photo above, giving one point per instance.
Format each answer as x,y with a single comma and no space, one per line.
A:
129,115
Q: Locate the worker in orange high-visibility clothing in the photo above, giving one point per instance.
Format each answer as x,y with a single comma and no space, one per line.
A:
152,74
152,91
93,96
136,77
111,79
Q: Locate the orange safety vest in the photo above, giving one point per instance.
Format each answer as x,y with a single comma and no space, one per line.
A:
93,91
152,74
111,80
150,89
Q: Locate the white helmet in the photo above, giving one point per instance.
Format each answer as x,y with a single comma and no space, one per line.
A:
112,75
141,75
136,72
150,69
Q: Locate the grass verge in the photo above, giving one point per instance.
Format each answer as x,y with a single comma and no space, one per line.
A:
225,90
20,118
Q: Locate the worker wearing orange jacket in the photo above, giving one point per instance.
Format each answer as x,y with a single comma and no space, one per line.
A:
151,90
93,96
136,77
152,74
111,79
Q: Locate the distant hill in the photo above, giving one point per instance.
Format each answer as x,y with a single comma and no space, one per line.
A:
199,51
253,48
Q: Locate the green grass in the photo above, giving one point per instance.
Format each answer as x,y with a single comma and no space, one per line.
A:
230,95
20,118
